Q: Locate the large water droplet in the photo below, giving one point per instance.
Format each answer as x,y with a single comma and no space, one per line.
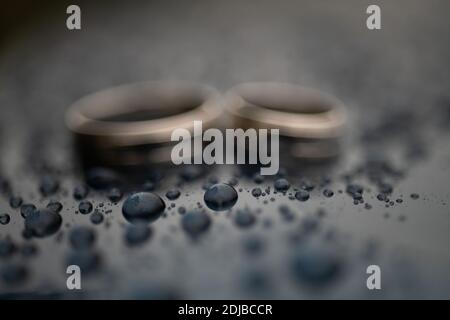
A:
173,194
89,261
80,192
315,266
191,173
302,195
82,237
102,178
114,194
137,234
143,207
14,274
27,209
48,186
195,223
42,223
28,250
220,197
96,217
7,248
244,218
15,202
282,185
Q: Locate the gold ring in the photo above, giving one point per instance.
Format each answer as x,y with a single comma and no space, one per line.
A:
309,120
140,116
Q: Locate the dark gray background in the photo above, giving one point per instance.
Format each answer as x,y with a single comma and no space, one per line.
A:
397,77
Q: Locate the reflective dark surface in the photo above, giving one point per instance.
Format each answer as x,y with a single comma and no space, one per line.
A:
395,83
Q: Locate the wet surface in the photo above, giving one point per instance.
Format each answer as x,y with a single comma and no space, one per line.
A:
384,201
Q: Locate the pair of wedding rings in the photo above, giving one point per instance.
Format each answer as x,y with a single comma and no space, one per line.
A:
132,124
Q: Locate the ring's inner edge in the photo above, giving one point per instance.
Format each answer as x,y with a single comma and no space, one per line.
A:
142,106
286,99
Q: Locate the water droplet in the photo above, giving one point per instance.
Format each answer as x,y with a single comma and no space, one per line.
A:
328,193
48,186
96,217
195,223
15,202
309,225
306,184
220,197
114,194
191,173
253,245
382,197
42,223
102,178
7,248
357,196
355,190
173,194
233,181
181,210
137,234
5,186
14,274
143,207
255,281
256,192
82,238
414,196
55,206
286,213
385,188
258,179
28,250
80,192
325,180
244,218
315,267
88,261
4,218
85,207
213,179
302,195
282,185
148,186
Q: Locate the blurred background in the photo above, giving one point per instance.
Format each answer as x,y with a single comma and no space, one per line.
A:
394,81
